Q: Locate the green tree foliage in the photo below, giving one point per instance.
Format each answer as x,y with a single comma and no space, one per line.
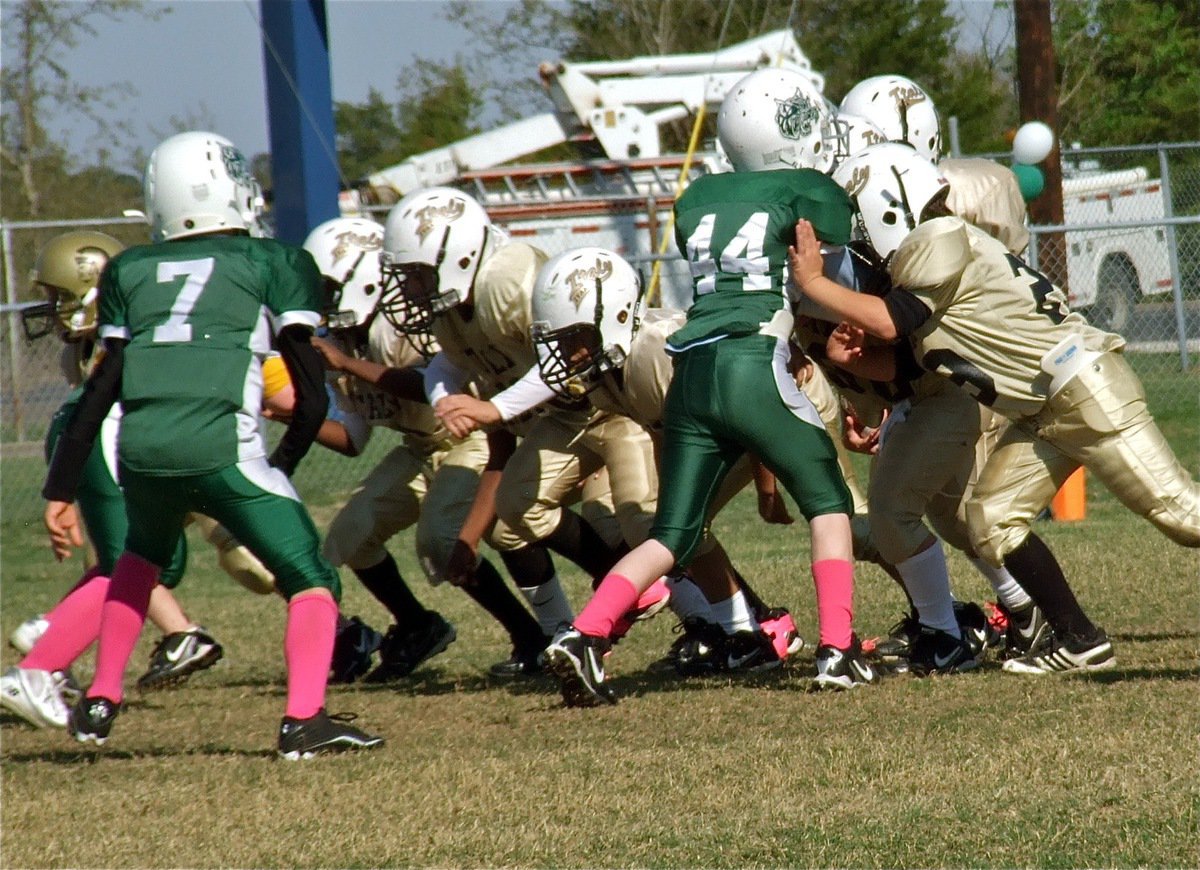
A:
1129,71
35,87
437,105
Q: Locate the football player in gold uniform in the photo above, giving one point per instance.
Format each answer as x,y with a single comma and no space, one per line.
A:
981,317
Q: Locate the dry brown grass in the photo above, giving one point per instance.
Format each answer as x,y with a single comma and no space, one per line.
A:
985,769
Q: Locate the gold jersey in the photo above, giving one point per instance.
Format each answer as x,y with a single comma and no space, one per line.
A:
415,420
993,318
642,389
987,195
490,338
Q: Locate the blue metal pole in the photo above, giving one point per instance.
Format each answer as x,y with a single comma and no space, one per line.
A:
304,172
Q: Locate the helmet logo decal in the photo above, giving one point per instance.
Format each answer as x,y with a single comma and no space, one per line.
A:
582,280
349,238
796,115
858,180
88,264
907,95
235,164
427,216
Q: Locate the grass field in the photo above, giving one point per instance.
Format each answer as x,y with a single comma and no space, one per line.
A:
985,769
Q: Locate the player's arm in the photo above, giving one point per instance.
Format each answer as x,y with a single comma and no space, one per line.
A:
307,372
870,313
848,348
462,414
460,570
74,445
407,383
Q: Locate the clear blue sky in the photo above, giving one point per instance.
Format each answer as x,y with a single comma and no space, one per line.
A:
202,62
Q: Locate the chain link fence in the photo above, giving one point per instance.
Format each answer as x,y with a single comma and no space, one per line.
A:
1128,254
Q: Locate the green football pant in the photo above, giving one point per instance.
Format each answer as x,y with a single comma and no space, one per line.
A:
254,501
731,397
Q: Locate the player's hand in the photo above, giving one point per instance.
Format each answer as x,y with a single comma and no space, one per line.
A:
462,414
773,509
859,437
62,522
460,567
804,257
845,344
334,357
800,366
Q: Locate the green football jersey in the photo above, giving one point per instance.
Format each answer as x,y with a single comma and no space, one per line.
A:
734,229
193,312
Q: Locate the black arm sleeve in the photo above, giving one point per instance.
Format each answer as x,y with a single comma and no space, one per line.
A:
307,371
907,367
907,311
74,446
501,445
404,384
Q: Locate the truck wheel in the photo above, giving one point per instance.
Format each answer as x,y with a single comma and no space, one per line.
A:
1116,296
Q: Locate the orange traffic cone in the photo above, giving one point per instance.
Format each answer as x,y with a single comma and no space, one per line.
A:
1070,503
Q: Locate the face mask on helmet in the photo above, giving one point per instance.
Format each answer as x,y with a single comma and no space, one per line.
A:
854,134
777,119
901,109
585,312
199,182
67,272
347,253
433,245
893,189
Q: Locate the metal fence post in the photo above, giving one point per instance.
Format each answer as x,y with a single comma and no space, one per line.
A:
14,358
1164,175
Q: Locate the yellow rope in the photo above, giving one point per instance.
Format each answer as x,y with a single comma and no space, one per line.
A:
653,294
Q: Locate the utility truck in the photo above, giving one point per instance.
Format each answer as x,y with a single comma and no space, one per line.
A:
1111,270
623,200
620,201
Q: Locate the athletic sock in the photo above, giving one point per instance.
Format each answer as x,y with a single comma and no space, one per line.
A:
1008,590
734,614
308,650
834,580
928,584
687,600
491,593
121,618
612,599
1037,570
532,570
574,538
383,581
74,624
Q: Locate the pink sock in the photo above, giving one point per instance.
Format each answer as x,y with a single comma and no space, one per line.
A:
121,620
834,579
614,596
308,649
74,625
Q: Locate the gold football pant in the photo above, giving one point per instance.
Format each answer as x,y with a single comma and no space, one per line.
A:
1098,420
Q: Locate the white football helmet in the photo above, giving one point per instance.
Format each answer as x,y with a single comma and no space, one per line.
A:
434,242
200,182
585,310
893,189
347,253
855,133
777,119
901,109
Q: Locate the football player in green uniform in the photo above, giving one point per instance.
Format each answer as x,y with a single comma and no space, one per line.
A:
734,230
67,271
981,317
184,332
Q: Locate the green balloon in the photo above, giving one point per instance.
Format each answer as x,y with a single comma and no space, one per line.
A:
1030,179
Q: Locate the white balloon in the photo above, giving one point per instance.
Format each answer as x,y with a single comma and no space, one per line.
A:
1033,143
